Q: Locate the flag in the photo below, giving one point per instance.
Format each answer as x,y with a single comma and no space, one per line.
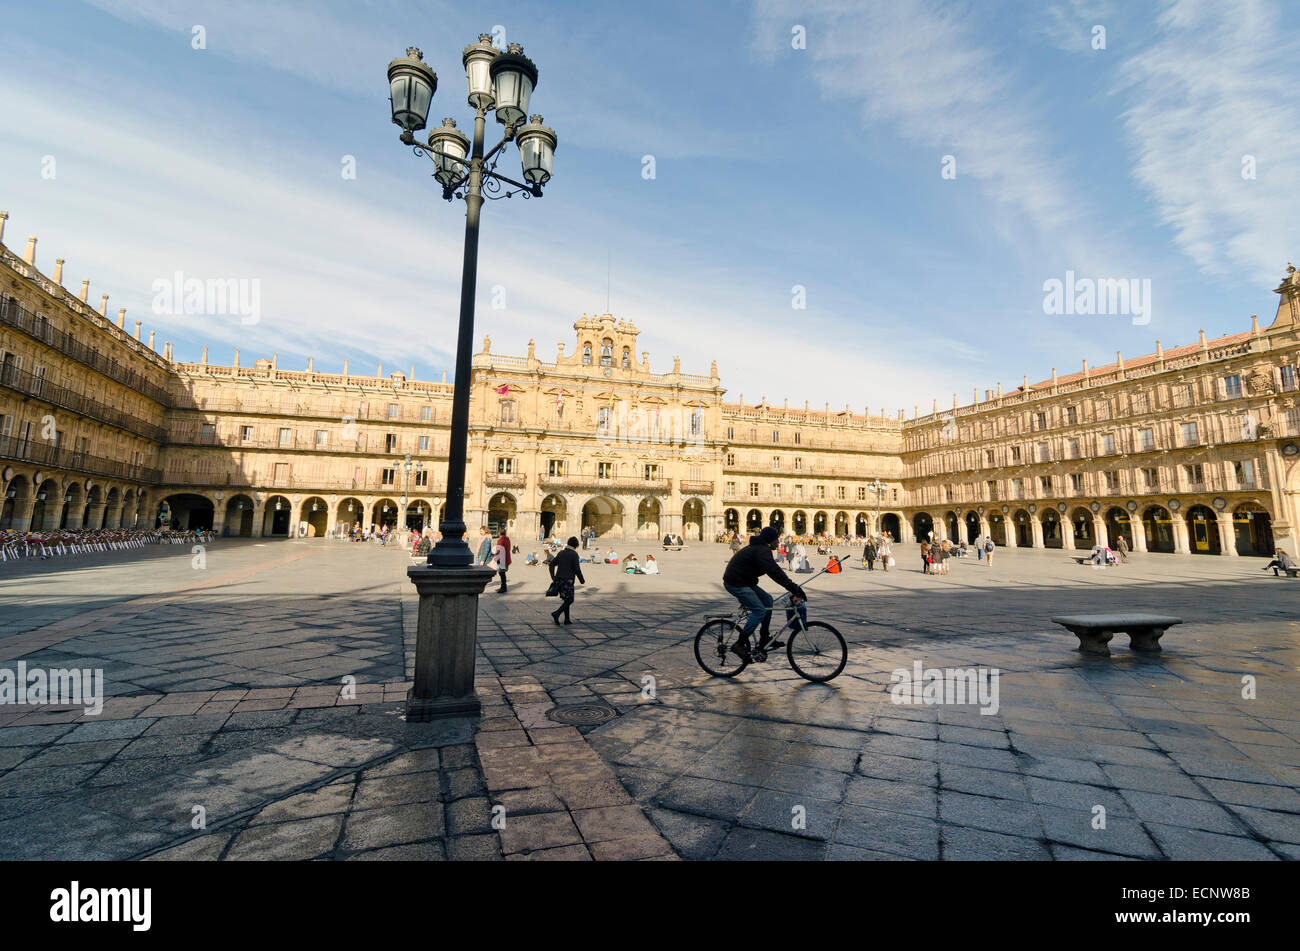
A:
503,389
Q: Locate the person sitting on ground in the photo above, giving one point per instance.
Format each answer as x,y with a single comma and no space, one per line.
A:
531,559
668,541
631,566
1280,560
611,557
651,566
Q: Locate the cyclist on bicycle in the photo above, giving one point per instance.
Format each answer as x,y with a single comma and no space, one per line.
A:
741,581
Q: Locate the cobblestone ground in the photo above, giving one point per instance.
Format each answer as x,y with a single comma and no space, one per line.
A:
224,689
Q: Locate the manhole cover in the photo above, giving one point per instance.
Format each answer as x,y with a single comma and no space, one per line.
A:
582,714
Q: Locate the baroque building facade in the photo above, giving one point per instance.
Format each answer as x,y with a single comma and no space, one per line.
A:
1191,449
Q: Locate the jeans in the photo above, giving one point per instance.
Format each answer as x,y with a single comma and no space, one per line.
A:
759,604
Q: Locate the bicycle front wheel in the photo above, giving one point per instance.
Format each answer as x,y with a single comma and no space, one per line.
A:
713,648
817,651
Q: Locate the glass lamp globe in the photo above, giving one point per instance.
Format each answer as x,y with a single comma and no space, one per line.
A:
411,85
454,145
478,61
536,151
514,77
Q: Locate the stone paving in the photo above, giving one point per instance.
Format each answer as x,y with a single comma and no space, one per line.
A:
226,693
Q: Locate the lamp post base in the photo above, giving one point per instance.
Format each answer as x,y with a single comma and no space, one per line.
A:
445,641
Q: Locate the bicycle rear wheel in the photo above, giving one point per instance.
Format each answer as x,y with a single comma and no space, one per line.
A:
817,652
713,648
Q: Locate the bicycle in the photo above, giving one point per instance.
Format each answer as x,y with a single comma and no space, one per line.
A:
816,650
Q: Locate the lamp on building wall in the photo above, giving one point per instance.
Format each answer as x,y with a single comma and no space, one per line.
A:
500,80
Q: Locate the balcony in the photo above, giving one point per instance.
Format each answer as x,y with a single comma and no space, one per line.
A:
13,314
45,454
578,481
690,487
40,388
509,480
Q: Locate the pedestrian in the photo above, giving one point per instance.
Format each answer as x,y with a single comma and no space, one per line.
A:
501,555
925,557
979,548
886,552
484,547
869,555
988,550
1122,547
564,569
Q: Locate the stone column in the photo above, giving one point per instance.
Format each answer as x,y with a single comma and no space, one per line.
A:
1100,532
1009,530
1067,532
1036,526
75,512
114,517
22,516
1181,546
905,529
259,515
940,529
445,641
95,519
1139,532
1227,534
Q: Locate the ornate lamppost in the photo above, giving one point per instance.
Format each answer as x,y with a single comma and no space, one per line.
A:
500,81
879,487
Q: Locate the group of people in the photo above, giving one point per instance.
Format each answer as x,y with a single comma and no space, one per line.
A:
60,542
879,548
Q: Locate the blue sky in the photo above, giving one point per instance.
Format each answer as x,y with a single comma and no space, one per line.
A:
775,167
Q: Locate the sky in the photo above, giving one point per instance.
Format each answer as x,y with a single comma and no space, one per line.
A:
857,204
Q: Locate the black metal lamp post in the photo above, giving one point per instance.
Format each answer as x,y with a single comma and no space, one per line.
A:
498,80
449,587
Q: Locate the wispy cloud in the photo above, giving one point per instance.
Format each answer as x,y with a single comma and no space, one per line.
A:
1218,85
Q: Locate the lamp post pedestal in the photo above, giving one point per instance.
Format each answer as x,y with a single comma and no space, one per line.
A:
445,641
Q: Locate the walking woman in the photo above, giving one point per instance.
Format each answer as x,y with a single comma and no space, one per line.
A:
564,569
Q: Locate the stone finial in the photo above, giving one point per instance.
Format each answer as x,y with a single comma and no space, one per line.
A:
677,364
999,389
1204,345
532,347
57,276
29,256
311,364
380,370
121,318
151,334
713,368
85,289
412,376
4,216
1254,324
103,306
236,364
1160,351
1119,359
487,344
204,360
138,323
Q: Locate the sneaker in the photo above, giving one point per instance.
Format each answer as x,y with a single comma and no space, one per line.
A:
741,650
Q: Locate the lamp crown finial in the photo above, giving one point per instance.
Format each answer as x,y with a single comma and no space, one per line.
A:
414,52
514,48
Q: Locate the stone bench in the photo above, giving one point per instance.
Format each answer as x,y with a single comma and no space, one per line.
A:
674,548
1292,572
1094,631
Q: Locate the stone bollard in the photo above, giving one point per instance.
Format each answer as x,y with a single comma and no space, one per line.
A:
446,641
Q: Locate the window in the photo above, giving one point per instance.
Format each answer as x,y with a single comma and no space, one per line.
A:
605,470
753,490
507,411
627,359
776,463
1043,454
1288,378
947,493
731,432
1141,403
322,438
362,407
424,444
1015,453
1151,478
1071,415
821,492
895,495
606,352
988,457
992,489
798,464
387,476
1147,439
731,489
393,411
1244,470
776,490
390,442
586,354
603,417
776,436
839,492
245,433
862,493
1045,483
422,477
1017,489
208,433
651,473
1042,421
505,465
731,458
798,492
1232,385
1108,443
1189,434
1182,396
1076,481
1112,481
1074,448
555,467
1194,474
426,413
697,421
286,437
798,439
